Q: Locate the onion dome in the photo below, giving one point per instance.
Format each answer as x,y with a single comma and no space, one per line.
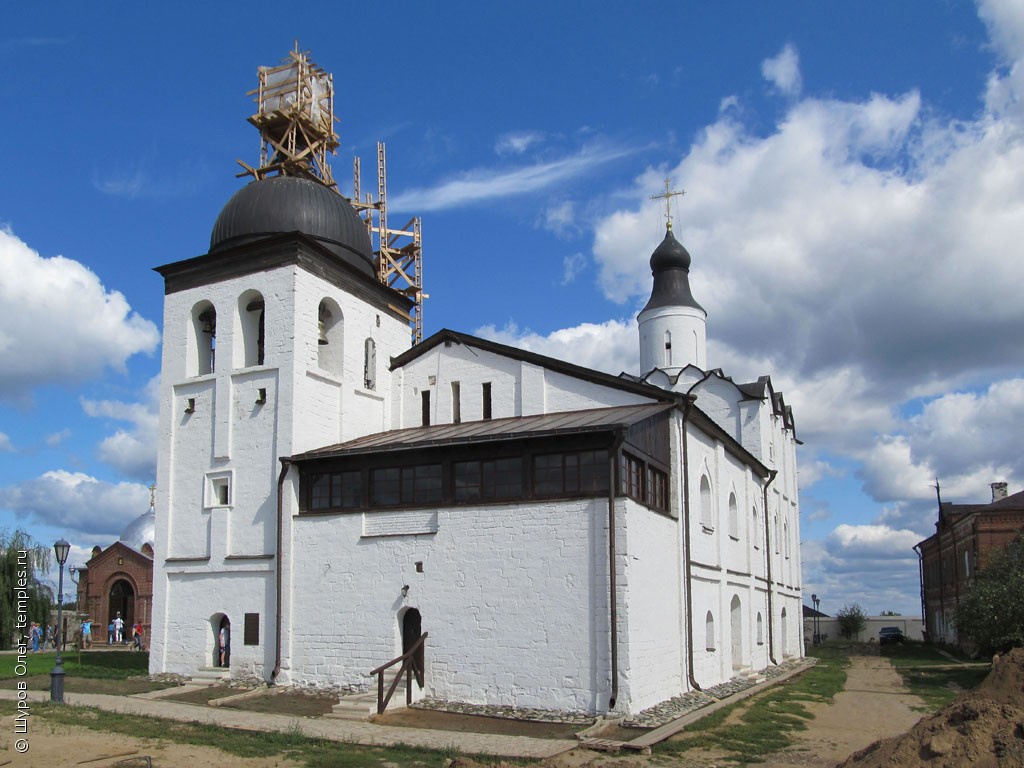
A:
141,531
280,204
670,265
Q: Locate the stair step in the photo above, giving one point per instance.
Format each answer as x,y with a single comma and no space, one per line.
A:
210,675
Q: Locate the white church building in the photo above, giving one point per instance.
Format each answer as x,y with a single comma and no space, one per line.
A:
527,532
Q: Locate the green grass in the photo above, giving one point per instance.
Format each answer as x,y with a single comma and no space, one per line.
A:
104,665
768,720
111,672
933,676
297,749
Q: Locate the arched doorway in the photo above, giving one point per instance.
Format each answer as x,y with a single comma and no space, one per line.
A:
412,628
736,632
121,604
221,626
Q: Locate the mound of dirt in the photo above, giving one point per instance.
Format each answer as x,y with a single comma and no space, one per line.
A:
983,728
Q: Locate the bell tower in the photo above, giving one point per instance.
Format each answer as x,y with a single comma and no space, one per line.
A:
275,342
672,324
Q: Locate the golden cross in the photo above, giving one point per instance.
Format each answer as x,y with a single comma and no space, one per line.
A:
667,196
152,495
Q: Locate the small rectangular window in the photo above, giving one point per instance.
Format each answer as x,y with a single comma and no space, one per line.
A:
486,400
251,634
218,489
425,407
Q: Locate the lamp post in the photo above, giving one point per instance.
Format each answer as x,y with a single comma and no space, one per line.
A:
817,625
60,549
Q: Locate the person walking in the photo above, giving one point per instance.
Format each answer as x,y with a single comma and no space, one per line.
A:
87,632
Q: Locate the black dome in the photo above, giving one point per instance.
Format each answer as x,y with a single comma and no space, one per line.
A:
670,266
670,255
279,204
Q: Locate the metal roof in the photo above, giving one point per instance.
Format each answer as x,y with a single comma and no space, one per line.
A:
291,204
518,427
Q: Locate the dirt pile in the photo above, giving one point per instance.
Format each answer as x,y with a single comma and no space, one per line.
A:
983,728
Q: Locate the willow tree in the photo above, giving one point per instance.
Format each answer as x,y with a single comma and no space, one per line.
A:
21,559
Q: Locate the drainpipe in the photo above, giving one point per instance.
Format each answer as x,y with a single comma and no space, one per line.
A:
285,465
687,405
772,474
613,613
920,580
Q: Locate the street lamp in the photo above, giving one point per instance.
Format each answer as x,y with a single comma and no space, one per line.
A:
817,624
60,549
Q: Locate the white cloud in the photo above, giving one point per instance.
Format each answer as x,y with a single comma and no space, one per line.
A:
131,451
78,503
481,184
57,438
128,185
5,443
873,565
966,440
58,323
561,219
610,346
572,265
783,71
517,142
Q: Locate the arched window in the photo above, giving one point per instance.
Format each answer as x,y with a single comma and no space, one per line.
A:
785,539
760,629
202,341
668,348
709,632
734,517
707,513
775,531
250,315
755,531
370,364
330,337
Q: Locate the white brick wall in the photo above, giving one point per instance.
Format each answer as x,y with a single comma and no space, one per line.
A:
512,598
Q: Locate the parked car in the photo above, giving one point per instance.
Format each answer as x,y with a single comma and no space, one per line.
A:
890,635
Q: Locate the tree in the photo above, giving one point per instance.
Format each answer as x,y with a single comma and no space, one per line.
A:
992,612
852,620
20,559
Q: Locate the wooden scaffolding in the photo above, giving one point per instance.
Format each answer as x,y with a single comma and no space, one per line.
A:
295,118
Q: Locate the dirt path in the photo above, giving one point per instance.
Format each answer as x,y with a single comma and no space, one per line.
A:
53,745
873,705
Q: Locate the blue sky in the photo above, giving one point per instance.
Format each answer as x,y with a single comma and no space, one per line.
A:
854,209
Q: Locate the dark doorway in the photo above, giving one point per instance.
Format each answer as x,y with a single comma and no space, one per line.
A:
412,628
121,602
223,652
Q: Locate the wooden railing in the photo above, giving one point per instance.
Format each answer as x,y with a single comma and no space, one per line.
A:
412,668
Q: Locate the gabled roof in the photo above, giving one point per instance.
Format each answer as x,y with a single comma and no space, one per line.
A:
517,427
115,548
447,336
